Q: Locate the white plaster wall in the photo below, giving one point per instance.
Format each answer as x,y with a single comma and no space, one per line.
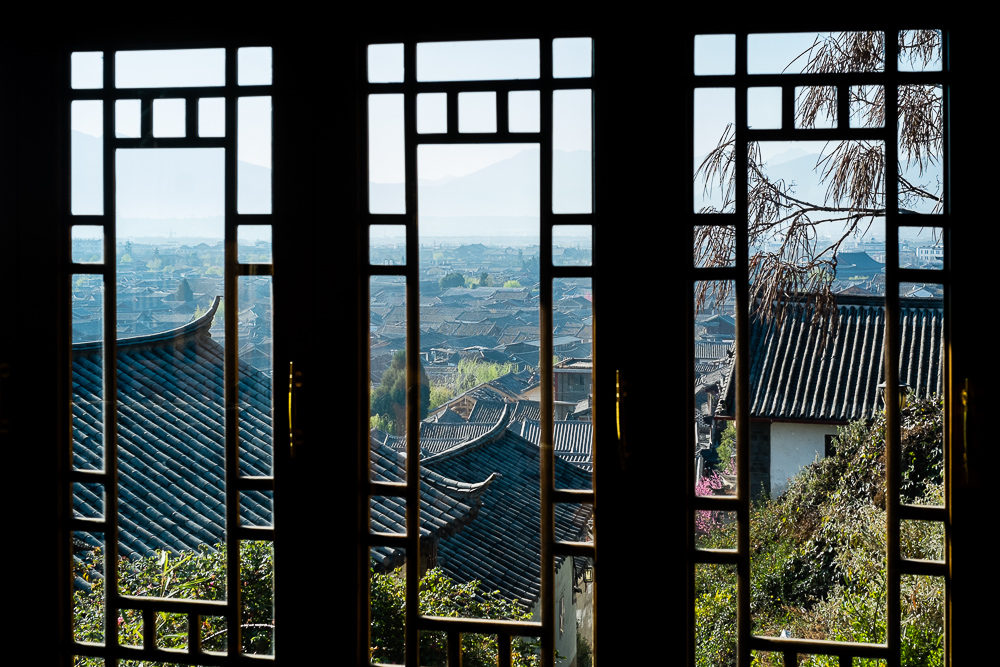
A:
566,642
792,447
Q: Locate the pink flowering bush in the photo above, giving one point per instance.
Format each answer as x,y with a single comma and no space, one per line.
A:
709,485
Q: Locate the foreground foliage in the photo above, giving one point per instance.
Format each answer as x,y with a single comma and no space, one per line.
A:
202,575
440,596
818,552
192,575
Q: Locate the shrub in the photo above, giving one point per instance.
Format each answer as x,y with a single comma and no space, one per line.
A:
440,596
817,563
191,575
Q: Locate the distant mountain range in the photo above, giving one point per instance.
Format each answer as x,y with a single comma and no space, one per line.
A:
798,169
183,189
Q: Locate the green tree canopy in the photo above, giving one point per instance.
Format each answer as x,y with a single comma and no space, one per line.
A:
184,291
389,398
472,373
451,280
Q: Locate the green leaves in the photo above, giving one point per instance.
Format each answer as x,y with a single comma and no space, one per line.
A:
440,596
189,575
818,565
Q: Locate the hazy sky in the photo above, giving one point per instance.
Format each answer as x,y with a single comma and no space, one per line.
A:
492,60
191,67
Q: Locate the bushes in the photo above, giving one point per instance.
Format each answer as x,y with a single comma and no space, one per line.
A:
202,575
818,552
440,596
191,575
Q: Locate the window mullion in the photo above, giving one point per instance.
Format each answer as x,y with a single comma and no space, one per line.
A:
545,330
412,636
742,293
231,361
112,599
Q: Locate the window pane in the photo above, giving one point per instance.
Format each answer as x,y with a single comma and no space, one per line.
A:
387,245
815,107
212,117
477,112
170,69
922,609
432,113
88,588
386,166
867,106
87,69
168,118
921,247
388,601
257,591
714,54
788,53
764,108
253,244
715,245
88,372
714,117
483,60
388,360
253,148
88,244
572,57
572,175
715,614
385,63
715,427
571,245
920,51
921,135
87,157
171,406
523,110
128,118
256,373
253,66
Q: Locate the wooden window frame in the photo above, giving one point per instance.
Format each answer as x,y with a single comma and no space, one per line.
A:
410,87
637,480
896,511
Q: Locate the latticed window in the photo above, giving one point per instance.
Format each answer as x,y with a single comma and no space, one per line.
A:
199,379
472,143
169,213
820,159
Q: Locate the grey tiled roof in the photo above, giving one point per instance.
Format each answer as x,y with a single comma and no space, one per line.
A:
437,437
501,547
795,375
488,410
170,438
527,410
446,505
572,440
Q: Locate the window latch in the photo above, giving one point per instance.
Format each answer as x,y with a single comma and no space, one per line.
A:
294,384
623,449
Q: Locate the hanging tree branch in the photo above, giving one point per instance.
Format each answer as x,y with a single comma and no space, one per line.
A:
852,171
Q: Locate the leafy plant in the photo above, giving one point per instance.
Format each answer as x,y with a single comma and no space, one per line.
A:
440,596
197,575
817,566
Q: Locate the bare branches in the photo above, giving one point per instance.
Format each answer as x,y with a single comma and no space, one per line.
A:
921,130
786,258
